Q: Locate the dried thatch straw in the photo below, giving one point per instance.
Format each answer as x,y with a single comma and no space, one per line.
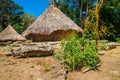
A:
9,34
46,26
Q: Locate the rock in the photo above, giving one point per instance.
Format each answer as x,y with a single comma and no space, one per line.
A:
111,45
108,46
32,49
8,53
5,43
85,69
116,72
100,48
103,41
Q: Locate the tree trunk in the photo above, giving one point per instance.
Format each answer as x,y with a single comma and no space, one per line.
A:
80,9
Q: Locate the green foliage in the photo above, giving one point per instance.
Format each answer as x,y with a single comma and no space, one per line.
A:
12,13
18,27
74,55
118,40
70,8
110,16
90,56
1,28
47,68
27,20
94,29
39,54
103,45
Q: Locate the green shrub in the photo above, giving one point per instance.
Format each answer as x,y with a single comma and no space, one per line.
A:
118,40
79,53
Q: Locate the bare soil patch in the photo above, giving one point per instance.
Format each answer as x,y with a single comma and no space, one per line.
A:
47,68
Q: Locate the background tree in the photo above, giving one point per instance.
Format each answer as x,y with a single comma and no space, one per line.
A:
12,13
27,19
109,15
75,9
69,7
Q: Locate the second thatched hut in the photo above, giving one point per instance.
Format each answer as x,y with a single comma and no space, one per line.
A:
9,34
52,25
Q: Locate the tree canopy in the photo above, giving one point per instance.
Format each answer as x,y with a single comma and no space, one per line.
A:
109,14
12,13
9,12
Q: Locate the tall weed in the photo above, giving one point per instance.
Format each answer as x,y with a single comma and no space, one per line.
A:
79,53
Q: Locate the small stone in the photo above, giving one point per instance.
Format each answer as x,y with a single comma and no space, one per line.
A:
116,72
52,67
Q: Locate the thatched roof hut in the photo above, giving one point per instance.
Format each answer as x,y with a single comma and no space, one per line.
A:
52,25
9,34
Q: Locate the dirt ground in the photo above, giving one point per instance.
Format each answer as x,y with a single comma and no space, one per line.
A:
47,68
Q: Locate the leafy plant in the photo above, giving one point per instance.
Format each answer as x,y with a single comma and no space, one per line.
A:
47,68
79,53
103,45
90,56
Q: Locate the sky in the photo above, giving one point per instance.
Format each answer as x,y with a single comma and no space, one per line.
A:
33,7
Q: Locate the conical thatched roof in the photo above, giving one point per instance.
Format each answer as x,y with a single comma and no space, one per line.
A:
50,21
9,34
